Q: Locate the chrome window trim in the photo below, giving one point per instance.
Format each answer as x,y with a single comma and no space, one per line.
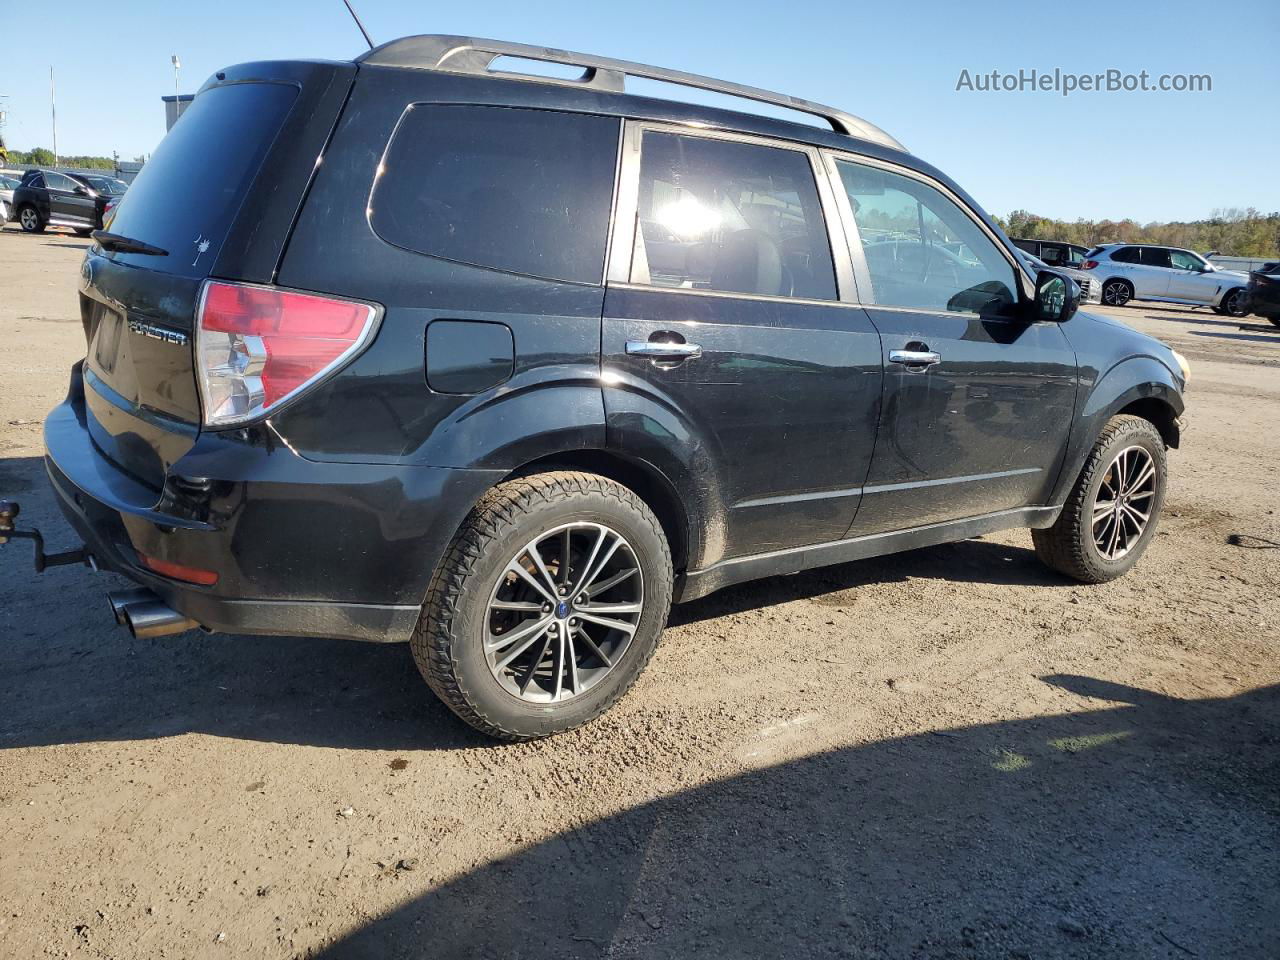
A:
1026,281
624,223
730,295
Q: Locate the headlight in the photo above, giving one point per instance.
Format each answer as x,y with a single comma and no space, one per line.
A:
1182,364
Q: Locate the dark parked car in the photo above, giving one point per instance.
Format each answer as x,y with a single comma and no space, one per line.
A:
524,360
1264,292
46,198
1056,253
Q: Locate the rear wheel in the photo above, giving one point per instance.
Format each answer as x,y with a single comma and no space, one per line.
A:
547,605
1116,293
1111,514
30,221
1236,303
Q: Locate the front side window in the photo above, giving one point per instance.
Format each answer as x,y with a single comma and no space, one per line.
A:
922,251
1155,257
731,217
1186,261
522,191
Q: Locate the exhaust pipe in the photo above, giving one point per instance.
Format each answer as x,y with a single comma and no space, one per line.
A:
122,598
146,615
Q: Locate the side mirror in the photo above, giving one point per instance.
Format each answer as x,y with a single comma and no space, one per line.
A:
1057,297
82,191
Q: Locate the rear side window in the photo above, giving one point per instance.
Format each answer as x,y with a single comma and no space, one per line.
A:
1125,255
1155,257
186,196
523,191
732,217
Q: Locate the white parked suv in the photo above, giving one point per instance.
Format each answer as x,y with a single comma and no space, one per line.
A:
1128,271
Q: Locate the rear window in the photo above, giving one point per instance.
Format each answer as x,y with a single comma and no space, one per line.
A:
186,196
523,191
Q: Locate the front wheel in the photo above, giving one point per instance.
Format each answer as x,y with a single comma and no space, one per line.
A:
547,605
29,220
1111,513
1236,303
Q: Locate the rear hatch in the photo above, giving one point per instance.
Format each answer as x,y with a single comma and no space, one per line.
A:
216,199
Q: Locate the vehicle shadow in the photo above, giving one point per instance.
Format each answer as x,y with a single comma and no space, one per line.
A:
1142,830
967,561
1256,338
75,676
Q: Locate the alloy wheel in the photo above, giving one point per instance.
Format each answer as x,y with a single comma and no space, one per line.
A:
563,612
1234,304
1123,505
1115,294
28,219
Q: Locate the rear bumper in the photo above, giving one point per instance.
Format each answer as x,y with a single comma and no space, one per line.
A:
301,548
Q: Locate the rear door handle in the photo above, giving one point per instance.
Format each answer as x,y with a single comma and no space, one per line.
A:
915,359
660,350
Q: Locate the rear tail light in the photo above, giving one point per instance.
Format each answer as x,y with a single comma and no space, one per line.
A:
257,347
1088,264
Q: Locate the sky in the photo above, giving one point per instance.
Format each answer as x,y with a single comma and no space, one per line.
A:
1144,155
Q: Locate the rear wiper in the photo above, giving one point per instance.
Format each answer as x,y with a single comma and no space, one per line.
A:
114,241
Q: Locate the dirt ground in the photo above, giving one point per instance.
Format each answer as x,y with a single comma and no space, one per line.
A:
946,753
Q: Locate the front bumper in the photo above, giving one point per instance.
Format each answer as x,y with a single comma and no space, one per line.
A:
301,548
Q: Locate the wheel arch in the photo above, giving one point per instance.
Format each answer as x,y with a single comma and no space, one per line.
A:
1141,386
644,479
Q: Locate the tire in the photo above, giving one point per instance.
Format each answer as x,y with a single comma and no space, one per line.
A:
29,220
1116,293
1275,321
1070,546
83,233
1236,302
456,635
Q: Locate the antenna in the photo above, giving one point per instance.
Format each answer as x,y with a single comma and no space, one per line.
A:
356,17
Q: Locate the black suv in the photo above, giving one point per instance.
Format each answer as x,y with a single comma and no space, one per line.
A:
524,360
46,198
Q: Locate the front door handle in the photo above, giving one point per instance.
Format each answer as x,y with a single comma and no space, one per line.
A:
662,350
915,359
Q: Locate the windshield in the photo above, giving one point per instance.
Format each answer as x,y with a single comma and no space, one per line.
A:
8,183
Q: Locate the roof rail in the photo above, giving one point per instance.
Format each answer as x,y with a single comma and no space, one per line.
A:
472,55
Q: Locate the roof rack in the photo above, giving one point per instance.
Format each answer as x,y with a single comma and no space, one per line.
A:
472,55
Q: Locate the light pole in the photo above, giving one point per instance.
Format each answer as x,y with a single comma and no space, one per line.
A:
177,65
53,114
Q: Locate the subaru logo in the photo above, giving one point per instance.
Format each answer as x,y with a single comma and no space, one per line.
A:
562,609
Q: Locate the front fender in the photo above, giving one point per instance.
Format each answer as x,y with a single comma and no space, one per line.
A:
1127,382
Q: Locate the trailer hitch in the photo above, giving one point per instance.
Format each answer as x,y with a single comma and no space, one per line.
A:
9,510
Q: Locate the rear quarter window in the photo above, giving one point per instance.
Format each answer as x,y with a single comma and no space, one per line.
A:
522,191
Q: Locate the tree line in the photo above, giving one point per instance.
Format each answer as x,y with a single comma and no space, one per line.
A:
1231,231
43,157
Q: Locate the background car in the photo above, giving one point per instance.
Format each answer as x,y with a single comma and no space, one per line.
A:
1056,253
8,184
1264,292
1128,271
1090,289
47,198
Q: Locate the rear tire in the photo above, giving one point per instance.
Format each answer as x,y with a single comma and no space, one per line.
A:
1116,293
1091,541
29,219
1236,303
1275,321
83,233
529,688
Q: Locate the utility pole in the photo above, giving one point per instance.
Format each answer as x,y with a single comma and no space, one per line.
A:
53,112
177,65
